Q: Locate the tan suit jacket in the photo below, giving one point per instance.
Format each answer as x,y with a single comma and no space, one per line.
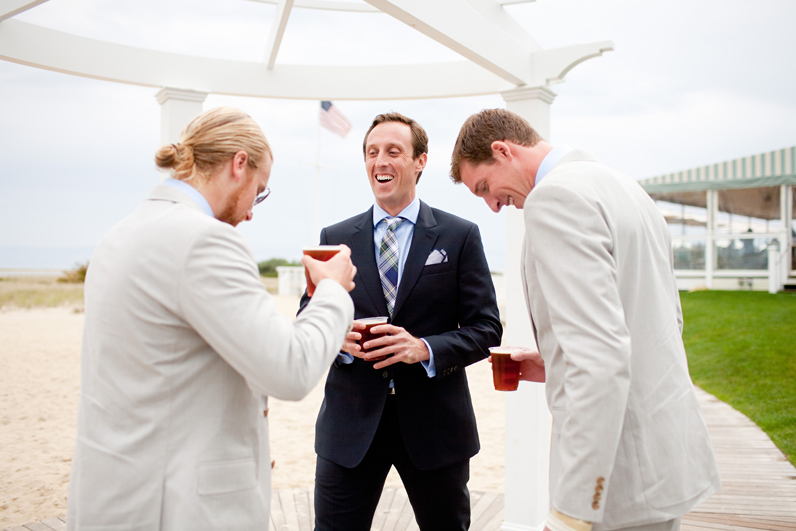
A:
629,444
181,346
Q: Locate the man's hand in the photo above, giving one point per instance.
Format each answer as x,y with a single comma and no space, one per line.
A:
531,364
399,344
350,344
339,268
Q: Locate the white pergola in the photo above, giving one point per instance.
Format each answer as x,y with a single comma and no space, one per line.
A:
498,57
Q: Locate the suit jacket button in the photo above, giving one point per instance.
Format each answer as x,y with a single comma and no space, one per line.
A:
597,496
600,480
595,505
385,375
265,412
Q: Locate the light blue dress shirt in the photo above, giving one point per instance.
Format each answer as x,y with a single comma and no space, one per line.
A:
403,235
191,192
550,160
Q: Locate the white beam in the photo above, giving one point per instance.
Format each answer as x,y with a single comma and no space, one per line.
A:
494,13
550,66
29,44
482,35
277,31
11,8
359,8
327,6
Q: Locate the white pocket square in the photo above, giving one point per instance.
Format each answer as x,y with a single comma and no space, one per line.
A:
437,256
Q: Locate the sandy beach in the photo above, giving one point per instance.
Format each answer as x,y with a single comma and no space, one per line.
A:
39,386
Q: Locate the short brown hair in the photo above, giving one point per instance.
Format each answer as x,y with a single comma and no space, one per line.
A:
211,139
419,136
474,144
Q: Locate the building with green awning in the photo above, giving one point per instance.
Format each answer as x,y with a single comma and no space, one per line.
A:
732,222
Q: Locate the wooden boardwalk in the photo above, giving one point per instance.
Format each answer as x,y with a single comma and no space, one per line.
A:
758,489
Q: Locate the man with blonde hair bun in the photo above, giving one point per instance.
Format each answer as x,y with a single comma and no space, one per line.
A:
182,346
629,449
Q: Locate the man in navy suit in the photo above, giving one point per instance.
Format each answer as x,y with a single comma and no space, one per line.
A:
425,269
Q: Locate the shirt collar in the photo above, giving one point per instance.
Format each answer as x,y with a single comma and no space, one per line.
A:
409,213
550,160
191,192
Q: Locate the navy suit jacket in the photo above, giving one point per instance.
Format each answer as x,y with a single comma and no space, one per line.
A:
451,305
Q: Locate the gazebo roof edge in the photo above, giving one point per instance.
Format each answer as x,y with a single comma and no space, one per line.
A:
771,168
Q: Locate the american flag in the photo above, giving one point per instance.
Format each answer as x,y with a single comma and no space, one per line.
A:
333,120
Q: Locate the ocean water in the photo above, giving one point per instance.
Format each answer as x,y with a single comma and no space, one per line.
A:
43,258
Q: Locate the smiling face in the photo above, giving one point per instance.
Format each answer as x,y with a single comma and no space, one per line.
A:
499,182
392,171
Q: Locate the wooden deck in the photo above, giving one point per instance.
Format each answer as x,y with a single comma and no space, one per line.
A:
758,489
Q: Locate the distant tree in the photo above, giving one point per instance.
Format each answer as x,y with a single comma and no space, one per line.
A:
268,267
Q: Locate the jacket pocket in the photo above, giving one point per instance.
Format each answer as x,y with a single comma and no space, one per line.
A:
223,477
433,269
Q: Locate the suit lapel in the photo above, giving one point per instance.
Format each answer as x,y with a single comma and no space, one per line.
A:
363,255
423,240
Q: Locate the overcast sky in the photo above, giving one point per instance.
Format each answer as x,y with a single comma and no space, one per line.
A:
691,82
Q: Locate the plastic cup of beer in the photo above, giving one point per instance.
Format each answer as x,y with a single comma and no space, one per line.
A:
367,334
505,371
319,252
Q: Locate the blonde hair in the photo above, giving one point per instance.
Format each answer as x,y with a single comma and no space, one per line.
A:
211,139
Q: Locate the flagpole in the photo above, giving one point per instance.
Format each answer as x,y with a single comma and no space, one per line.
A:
318,184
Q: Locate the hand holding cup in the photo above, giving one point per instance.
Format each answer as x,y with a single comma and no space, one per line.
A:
328,261
512,364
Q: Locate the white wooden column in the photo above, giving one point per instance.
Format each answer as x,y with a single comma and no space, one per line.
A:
712,209
527,417
177,108
786,216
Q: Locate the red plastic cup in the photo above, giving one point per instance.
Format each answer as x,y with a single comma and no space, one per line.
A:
505,371
367,334
319,252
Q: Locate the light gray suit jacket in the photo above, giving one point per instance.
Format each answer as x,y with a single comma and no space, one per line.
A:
181,346
629,444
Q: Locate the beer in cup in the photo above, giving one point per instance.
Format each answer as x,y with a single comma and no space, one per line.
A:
367,335
505,371
319,252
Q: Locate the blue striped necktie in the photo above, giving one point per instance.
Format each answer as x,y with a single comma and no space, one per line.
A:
388,262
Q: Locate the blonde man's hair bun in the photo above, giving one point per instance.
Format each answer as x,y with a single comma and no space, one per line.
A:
211,139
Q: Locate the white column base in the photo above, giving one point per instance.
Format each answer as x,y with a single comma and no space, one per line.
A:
518,527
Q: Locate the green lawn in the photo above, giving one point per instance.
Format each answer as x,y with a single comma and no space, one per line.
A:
741,348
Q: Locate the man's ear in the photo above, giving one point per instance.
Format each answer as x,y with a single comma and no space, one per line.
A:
239,162
501,150
420,162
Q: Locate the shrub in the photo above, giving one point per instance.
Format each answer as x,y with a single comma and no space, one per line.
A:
268,267
76,275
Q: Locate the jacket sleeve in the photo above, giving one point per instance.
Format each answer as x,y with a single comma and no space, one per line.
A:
223,299
478,315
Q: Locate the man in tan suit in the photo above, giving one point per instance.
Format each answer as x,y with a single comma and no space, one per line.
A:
182,345
629,449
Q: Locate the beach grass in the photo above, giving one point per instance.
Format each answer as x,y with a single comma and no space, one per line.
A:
741,349
39,292
51,292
